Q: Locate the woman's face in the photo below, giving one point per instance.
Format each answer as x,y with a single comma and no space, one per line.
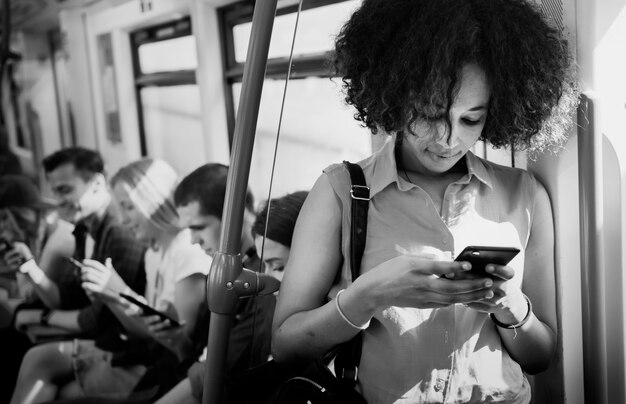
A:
275,256
435,149
132,218
20,224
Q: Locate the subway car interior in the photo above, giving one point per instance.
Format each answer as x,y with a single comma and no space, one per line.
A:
167,79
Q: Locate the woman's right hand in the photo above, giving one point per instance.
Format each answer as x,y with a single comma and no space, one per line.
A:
421,282
17,255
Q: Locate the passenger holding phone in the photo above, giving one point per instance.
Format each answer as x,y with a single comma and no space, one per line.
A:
436,76
31,231
175,268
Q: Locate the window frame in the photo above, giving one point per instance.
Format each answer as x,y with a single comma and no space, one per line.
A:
310,65
181,27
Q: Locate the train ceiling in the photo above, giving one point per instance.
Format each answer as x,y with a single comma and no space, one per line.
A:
41,15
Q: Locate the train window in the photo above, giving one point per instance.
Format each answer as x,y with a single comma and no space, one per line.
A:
168,97
171,115
182,51
317,129
316,30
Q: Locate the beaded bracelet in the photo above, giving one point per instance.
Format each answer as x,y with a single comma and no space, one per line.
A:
514,326
362,327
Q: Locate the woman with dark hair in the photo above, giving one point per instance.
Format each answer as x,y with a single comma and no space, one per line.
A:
435,76
274,238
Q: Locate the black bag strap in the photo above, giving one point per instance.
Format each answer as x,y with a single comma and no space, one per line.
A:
360,195
349,355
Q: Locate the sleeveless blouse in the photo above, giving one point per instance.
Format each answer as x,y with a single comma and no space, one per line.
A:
442,355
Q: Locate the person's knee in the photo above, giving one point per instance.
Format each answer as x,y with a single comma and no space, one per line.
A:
48,361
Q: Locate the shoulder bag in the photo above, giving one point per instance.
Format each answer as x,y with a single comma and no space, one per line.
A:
316,384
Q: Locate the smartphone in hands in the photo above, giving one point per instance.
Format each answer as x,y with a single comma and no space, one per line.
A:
5,247
480,256
150,311
78,266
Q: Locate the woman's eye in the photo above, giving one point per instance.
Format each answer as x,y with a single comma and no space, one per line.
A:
471,122
275,268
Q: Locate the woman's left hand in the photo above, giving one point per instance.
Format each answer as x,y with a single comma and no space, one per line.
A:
102,280
508,303
171,336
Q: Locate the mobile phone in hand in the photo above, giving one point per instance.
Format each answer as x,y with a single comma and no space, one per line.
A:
150,311
5,247
480,256
78,266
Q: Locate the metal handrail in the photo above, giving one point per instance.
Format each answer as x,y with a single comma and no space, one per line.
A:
226,268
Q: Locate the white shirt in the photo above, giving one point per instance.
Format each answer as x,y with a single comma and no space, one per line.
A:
165,268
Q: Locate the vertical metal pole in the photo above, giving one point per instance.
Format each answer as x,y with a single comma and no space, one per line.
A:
592,268
226,266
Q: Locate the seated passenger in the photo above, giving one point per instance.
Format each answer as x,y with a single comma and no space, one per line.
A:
76,176
29,228
275,252
175,268
32,232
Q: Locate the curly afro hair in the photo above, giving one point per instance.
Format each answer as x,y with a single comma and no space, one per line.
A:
401,60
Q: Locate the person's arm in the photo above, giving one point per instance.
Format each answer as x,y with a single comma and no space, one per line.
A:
533,344
306,326
130,316
43,286
66,319
59,245
42,276
189,294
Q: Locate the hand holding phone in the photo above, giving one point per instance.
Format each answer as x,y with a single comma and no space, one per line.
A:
480,256
150,311
16,255
78,266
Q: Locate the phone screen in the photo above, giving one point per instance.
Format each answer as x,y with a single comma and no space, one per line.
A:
480,256
148,310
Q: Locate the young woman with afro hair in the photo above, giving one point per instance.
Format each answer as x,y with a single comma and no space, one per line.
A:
436,76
